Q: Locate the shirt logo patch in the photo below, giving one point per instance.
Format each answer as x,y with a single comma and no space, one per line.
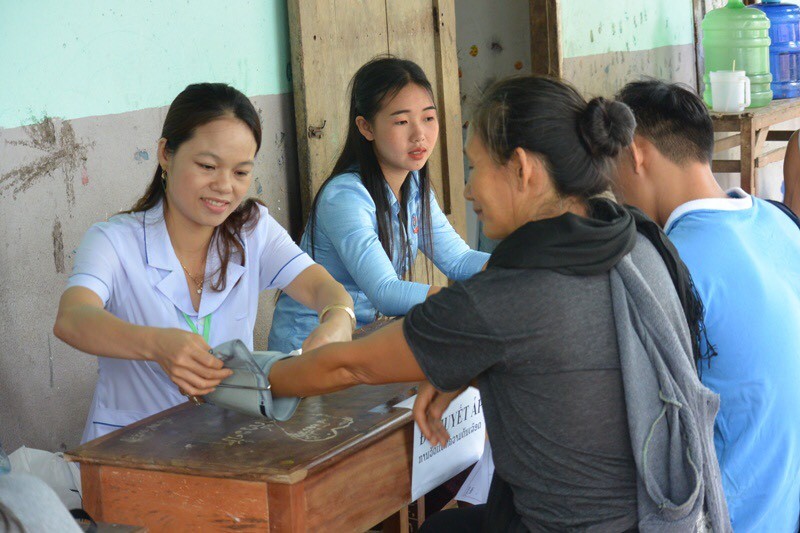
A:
414,226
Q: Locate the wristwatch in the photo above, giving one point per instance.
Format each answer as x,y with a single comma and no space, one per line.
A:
345,308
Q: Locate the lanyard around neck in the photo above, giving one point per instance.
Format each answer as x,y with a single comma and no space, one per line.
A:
206,325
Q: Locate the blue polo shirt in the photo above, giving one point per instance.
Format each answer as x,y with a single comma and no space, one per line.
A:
347,245
744,257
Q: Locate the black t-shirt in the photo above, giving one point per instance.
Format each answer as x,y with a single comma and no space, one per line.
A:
543,347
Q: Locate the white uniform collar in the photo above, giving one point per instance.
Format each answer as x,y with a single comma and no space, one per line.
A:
736,201
160,254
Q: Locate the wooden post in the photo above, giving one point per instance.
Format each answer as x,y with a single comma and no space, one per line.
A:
699,11
444,35
546,53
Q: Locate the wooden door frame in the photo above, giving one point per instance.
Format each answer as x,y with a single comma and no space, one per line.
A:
546,52
699,11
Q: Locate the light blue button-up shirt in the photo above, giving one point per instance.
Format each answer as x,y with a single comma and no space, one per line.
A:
130,264
346,243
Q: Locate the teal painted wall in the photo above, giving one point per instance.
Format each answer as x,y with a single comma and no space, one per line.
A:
591,27
81,58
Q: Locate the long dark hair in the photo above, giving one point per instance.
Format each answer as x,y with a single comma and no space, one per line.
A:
372,86
546,116
199,104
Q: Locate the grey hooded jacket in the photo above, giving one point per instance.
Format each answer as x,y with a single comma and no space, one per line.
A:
679,487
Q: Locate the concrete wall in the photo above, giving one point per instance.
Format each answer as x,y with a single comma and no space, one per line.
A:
607,44
604,45
86,85
493,41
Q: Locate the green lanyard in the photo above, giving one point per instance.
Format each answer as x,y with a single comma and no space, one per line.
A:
206,325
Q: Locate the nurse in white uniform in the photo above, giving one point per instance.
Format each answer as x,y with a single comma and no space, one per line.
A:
153,289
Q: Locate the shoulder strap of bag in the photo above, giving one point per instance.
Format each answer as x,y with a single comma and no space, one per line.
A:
788,212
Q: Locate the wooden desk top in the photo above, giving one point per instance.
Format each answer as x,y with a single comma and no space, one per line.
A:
209,441
775,112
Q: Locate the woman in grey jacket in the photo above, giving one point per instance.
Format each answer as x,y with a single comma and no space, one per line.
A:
577,334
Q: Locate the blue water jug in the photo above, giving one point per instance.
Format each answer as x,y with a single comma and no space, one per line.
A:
784,51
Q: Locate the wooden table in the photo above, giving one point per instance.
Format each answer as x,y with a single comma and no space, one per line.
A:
751,132
342,463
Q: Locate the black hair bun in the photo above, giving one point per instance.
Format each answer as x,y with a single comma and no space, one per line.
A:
606,127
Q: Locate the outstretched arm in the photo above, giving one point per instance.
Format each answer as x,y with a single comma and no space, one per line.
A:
83,323
791,174
382,357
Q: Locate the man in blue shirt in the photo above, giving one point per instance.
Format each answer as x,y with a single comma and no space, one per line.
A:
744,256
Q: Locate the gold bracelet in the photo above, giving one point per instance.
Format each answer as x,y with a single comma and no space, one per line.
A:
345,308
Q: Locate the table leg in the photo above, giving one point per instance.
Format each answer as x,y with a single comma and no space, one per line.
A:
287,508
92,491
398,522
748,162
421,511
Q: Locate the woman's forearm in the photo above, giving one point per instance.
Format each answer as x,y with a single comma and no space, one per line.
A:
318,371
791,175
98,332
382,357
83,323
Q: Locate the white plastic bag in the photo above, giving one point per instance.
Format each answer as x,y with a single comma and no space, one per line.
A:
63,477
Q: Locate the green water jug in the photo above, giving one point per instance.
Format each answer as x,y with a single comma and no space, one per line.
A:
741,34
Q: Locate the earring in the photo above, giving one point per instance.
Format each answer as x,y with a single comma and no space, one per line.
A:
164,179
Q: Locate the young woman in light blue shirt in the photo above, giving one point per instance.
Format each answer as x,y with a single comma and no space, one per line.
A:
377,209
153,289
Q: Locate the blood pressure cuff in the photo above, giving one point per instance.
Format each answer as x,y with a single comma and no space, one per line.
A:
248,390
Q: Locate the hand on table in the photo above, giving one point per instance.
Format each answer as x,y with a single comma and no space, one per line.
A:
186,359
428,409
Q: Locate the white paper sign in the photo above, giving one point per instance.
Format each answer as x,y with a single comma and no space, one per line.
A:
433,465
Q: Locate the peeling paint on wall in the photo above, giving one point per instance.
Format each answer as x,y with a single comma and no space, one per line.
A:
58,246
624,25
62,151
493,40
50,358
604,74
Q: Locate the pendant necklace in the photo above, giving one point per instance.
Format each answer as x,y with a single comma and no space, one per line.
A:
197,284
